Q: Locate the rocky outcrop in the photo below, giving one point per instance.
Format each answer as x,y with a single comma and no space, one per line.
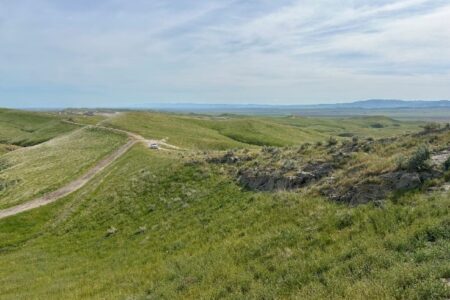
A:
439,159
401,180
227,158
369,191
359,194
271,180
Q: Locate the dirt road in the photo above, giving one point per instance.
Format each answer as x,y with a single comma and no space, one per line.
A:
130,134
69,188
80,182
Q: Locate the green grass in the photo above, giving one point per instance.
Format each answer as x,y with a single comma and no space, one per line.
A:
184,229
83,119
207,132
206,238
5,148
34,171
373,126
30,128
180,130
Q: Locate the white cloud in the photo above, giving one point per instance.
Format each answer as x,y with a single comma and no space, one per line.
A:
314,51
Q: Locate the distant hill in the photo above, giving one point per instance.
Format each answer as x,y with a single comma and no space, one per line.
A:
383,104
398,109
364,104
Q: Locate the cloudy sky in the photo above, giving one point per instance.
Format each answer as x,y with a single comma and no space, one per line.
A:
125,52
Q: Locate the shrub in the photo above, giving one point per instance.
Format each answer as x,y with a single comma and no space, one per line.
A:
367,147
447,164
304,146
288,165
377,125
270,149
430,127
417,161
332,141
346,134
447,176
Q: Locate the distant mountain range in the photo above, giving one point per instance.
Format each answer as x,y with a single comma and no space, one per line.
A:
364,104
383,103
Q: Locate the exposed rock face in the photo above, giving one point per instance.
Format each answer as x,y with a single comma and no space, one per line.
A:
270,180
319,169
360,194
339,171
227,158
408,181
401,180
438,159
365,192
265,181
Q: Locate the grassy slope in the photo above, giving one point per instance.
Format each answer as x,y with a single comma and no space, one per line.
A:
33,171
83,119
180,130
5,148
359,126
205,238
30,128
238,131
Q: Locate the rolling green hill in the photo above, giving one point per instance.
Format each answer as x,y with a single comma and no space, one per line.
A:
30,128
154,227
34,171
207,132
179,224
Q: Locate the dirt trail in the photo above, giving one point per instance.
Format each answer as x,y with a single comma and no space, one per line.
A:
132,135
69,188
80,182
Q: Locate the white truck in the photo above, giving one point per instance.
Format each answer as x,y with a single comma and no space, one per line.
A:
153,146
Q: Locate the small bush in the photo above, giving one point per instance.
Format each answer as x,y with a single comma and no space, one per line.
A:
346,134
447,164
332,141
417,161
377,125
288,165
447,176
270,149
367,147
430,127
305,146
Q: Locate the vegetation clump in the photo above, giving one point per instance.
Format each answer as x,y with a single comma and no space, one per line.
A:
4,183
431,127
4,164
377,125
332,141
447,164
418,160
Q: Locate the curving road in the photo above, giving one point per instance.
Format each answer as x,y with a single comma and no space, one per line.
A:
80,182
70,187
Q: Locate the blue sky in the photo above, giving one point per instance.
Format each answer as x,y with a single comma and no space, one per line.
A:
118,52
